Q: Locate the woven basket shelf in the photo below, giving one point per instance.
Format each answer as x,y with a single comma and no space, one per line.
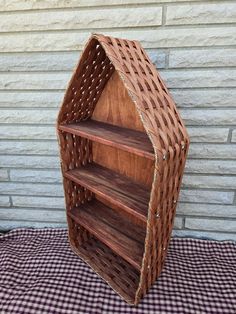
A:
123,148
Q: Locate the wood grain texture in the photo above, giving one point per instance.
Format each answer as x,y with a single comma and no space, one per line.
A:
137,168
112,229
119,190
126,139
116,107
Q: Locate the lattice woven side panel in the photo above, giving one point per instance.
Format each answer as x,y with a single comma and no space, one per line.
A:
87,83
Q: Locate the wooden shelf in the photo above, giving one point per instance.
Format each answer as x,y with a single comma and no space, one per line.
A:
113,187
104,129
112,229
126,139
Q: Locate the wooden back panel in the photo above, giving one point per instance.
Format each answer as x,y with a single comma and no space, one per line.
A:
115,107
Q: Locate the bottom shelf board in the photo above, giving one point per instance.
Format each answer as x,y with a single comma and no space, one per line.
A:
111,228
119,274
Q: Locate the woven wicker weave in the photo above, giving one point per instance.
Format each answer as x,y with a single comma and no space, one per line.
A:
102,57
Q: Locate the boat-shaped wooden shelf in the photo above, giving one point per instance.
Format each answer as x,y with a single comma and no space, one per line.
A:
123,148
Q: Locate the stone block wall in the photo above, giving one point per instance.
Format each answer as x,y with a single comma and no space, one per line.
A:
192,43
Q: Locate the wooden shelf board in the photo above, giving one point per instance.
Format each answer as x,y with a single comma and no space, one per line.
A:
112,229
119,274
126,139
113,187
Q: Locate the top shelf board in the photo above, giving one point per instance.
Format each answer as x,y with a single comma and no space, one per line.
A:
132,141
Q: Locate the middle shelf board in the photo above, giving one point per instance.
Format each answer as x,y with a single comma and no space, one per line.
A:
111,228
129,140
113,187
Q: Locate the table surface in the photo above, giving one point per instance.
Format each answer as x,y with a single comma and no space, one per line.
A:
39,273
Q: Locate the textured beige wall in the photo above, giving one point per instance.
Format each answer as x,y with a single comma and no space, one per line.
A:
193,45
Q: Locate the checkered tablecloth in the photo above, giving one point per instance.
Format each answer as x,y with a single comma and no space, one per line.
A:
39,273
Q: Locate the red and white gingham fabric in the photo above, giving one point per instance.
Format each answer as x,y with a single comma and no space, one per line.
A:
39,273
